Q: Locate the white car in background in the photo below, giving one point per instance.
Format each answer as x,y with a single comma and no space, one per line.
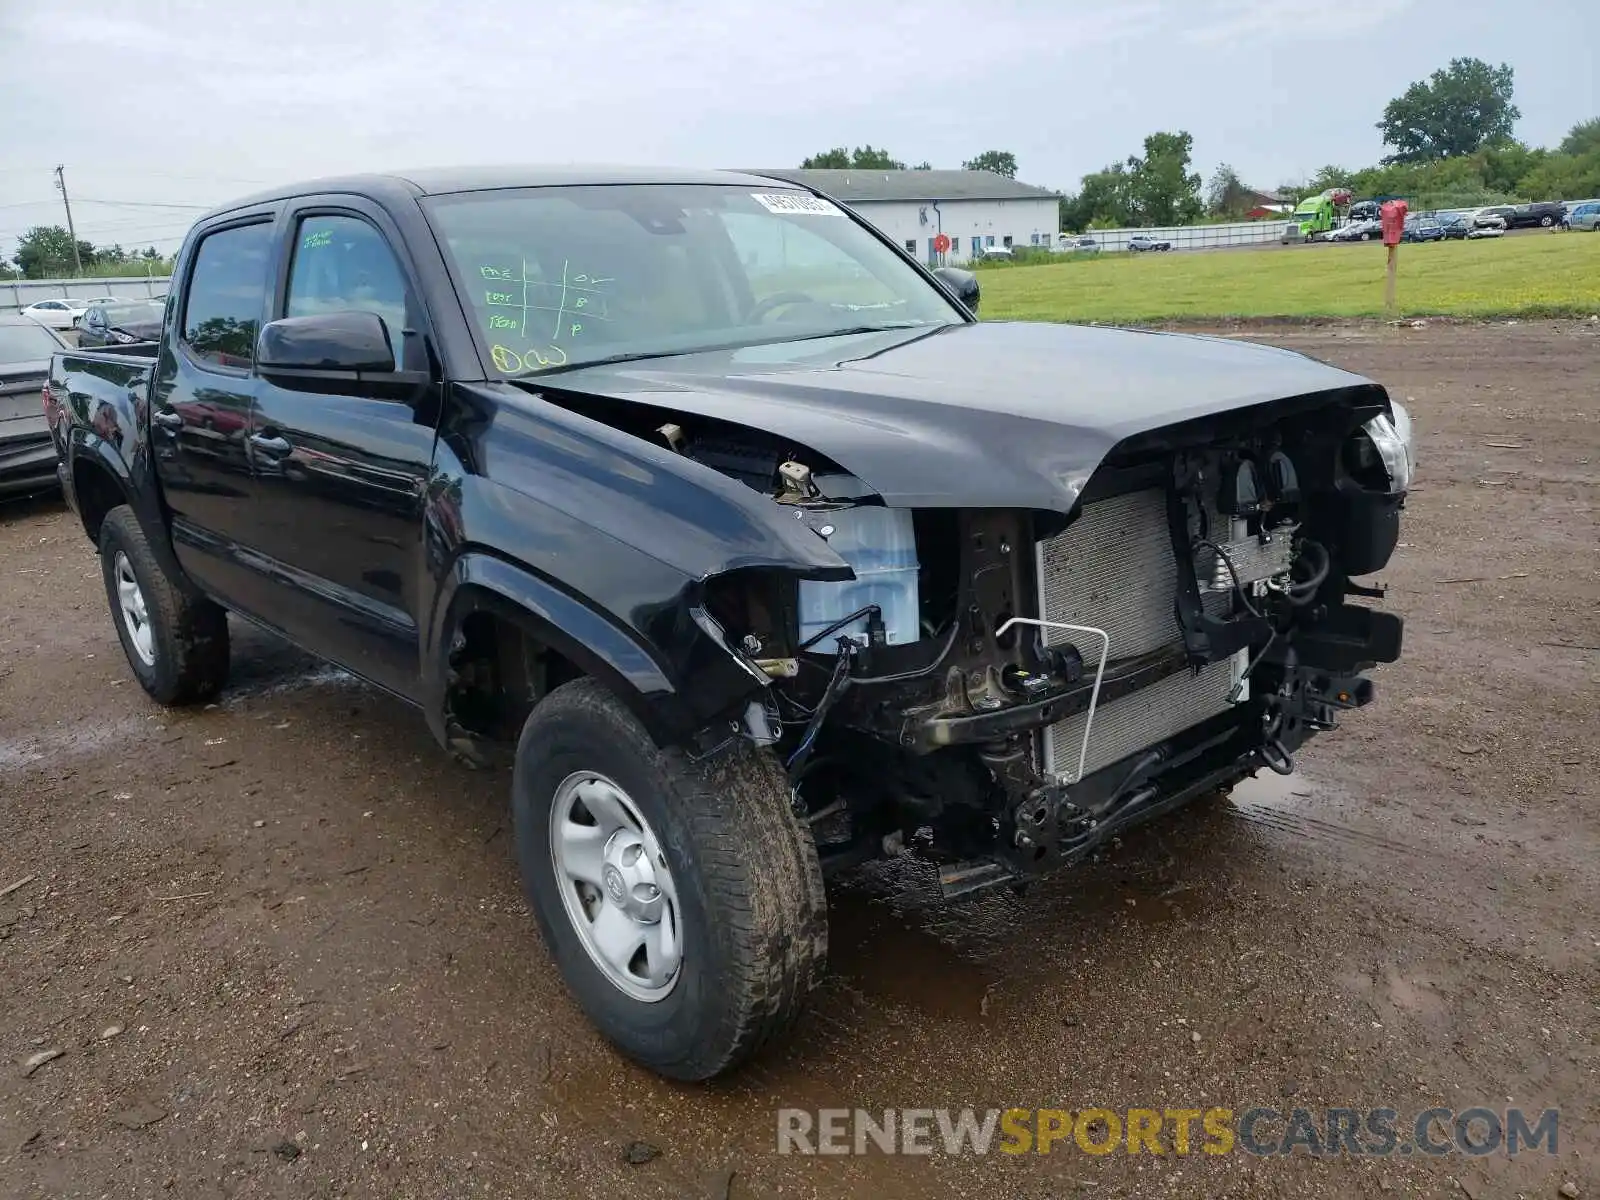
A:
57,314
63,313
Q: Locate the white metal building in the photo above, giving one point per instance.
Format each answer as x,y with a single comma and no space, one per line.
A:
974,209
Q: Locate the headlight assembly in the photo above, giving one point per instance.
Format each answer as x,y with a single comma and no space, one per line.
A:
1384,446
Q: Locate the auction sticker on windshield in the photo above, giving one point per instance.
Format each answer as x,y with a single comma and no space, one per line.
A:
797,203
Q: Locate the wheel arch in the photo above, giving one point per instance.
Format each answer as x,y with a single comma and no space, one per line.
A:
99,484
581,640
101,479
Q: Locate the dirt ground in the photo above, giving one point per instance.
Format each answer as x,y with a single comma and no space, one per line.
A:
302,921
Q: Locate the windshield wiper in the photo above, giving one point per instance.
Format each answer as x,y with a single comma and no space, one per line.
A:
881,327
644,355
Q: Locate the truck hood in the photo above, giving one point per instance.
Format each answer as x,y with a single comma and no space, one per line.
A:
989,414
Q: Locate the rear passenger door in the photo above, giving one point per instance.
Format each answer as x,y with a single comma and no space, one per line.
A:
201,392
341,465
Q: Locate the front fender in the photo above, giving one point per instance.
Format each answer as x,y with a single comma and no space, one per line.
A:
601,544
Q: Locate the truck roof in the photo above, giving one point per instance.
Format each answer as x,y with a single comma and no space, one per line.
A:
438,181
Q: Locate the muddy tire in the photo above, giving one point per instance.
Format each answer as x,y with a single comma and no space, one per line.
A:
707,860
177,644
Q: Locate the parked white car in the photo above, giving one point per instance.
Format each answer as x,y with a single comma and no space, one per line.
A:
57,314
64,313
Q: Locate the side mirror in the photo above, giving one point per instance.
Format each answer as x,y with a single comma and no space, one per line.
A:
342,342
963,283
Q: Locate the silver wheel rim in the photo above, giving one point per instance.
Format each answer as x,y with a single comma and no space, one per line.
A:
615,886
135,616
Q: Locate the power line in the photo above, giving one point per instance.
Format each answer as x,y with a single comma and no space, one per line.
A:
144,204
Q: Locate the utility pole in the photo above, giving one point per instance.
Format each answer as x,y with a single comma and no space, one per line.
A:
61,182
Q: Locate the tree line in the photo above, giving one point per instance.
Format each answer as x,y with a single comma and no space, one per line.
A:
1452,143
870,158
45,252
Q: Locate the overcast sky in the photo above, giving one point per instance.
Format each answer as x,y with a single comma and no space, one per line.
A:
184,102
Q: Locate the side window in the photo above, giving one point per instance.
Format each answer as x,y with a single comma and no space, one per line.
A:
343,264
223,308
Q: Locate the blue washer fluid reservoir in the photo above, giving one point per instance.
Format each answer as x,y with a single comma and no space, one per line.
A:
880,545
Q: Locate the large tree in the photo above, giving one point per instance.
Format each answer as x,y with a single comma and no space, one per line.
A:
1001,162
862,158
1164,190
1454,112
1103,201
46,251
1226,194
1582,137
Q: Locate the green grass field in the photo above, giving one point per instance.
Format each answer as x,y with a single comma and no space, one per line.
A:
1533,274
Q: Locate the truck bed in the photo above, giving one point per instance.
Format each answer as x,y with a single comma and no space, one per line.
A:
99,390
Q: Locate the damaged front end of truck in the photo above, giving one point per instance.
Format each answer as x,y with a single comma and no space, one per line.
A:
1004,689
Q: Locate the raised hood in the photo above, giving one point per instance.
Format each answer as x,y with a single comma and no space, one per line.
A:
991,414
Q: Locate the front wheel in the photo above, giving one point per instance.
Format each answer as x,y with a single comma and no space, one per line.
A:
682,900
177,644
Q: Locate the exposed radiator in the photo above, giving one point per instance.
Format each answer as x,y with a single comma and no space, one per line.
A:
1113,568
1130,723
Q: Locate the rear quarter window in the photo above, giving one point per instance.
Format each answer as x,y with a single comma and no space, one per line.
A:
227,294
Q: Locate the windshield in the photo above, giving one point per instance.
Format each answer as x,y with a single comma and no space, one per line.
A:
26,343
562,276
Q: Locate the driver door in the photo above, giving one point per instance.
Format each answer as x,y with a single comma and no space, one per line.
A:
341,465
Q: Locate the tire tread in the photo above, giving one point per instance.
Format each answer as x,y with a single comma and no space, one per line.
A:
759,873
196,629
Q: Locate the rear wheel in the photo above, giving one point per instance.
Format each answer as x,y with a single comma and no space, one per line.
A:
682,901
177,644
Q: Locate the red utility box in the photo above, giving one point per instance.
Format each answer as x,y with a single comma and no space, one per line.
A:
1394,221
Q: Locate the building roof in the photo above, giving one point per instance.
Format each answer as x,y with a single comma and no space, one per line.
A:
853,185
1263,196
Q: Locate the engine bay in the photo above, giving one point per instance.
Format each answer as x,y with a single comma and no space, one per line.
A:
1004,689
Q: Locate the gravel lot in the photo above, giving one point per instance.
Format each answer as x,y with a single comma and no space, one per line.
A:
303,924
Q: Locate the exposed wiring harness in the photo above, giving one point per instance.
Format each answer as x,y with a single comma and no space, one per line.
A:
838,682
863,611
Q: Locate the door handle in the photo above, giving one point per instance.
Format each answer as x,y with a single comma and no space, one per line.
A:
277,447
171,421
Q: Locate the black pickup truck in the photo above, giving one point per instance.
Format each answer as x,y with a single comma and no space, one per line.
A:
729,527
